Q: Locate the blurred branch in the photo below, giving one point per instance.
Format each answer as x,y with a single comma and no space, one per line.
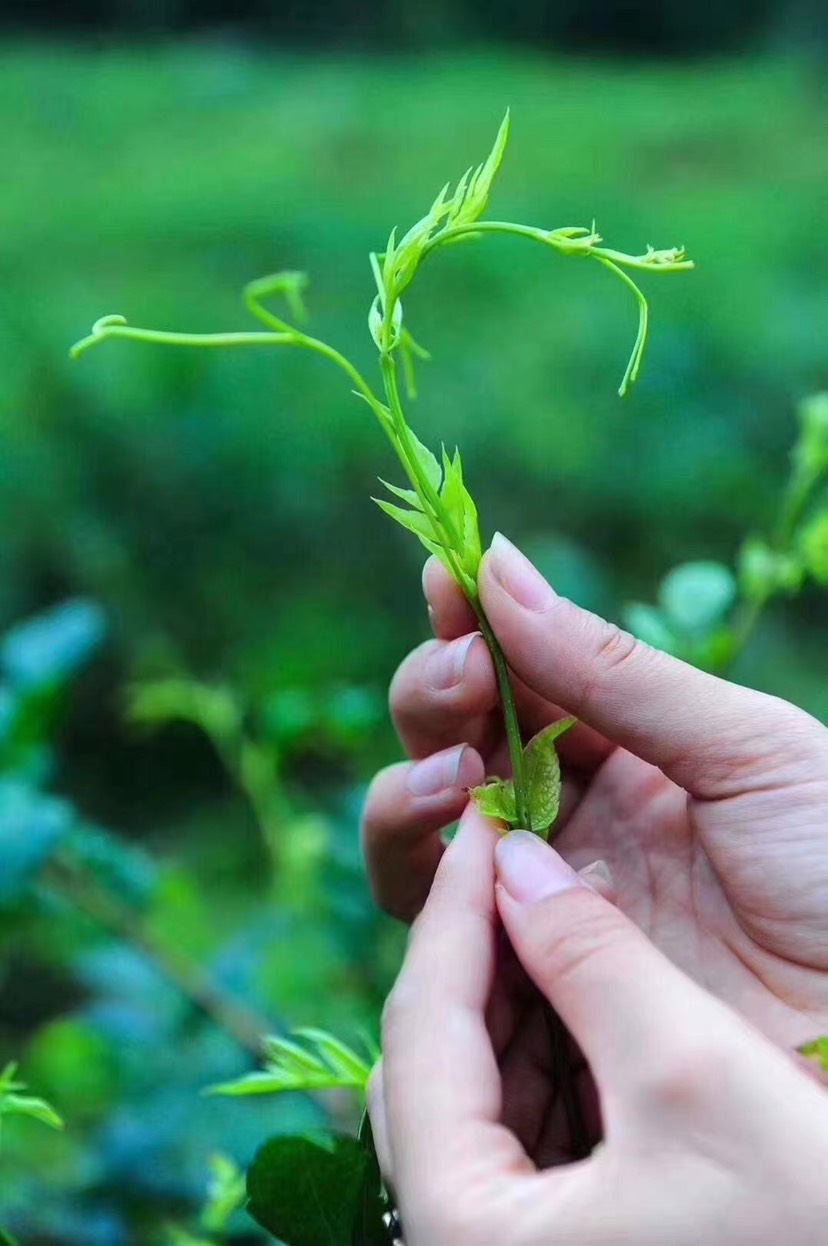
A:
187,976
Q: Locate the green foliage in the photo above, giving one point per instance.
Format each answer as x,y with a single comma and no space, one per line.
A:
542,776
32,825
817,1051
813,548
317,1062
307,1191
14,1101
696,596
706,612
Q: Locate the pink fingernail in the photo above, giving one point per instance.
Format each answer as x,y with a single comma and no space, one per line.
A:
530,870
445,666
438,773
515,573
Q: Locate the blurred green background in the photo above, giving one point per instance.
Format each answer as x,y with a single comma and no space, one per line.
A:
210,515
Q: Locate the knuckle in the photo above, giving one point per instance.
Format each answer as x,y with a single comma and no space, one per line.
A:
613,650
565,947
615,647
403,694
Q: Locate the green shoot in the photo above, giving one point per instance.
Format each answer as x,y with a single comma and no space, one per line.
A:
437,506
318,1061
15,1102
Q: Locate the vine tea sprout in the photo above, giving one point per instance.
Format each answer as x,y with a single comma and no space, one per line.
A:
435,505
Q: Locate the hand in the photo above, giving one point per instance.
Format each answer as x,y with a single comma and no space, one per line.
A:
712,1136
708,801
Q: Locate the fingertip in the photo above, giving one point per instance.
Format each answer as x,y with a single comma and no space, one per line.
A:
449,611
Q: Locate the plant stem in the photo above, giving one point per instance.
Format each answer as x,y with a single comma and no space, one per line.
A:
798,496
451,541
510,716
193,982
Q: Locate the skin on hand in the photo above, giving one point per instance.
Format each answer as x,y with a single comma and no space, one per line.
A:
707,801
712,1137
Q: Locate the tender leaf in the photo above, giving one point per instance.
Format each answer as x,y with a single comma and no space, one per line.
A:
813,545
413,521
15,1102
696,595
816,1050
428,464
212,707
649,625
309,1192
496,799
812,448
341,1059
764,572
226,1194
407,495
453,489
476,195
375,322
542,774
463,514
324,1063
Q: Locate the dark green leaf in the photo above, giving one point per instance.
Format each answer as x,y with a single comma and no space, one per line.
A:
368,1228
308,1192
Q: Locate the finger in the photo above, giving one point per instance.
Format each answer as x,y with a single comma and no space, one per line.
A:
441,1081
448,608
406,808
626,1005
444,693
379,1124
708,735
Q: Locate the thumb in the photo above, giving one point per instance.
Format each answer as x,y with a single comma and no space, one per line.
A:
623,1001
704,733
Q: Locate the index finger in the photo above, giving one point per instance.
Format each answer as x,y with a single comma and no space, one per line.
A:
440,1076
